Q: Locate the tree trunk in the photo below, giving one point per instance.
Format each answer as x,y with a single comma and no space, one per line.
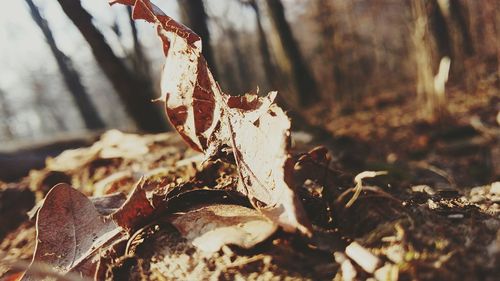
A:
6,114
458,13
269,69
304,81
460,42
194,15
430,88
139,60
330,70
136,92
50,119
71,77
239,58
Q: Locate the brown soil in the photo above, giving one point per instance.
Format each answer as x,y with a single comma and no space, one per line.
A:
435,216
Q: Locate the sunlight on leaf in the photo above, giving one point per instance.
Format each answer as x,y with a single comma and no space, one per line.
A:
255,129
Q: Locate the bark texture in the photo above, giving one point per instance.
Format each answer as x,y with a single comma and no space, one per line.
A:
70,75
304,80
136,92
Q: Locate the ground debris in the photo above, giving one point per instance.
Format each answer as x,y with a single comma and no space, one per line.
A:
421,232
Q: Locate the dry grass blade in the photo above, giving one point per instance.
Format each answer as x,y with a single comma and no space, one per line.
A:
358,179
436,170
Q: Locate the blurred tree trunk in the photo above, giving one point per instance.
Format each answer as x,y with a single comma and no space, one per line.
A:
496,16
324,13
484,25
274,78
136,92
239,57
425,39
269,70
139,60
305,83
228,71
6,114
71,77
458,15
423,55
235,74
51,118
194,15
460,42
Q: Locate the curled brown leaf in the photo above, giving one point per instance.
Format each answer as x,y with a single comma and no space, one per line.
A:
254,128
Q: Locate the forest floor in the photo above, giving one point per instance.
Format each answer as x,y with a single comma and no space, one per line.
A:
434,216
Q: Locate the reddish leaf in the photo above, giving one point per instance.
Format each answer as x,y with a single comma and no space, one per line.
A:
69,231
137,207
255,128
193,99
13,276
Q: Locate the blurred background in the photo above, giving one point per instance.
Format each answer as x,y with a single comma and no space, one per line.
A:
384,79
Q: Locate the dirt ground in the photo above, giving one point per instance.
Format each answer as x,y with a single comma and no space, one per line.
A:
434,216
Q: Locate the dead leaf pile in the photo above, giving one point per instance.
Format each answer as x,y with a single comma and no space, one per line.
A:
114,163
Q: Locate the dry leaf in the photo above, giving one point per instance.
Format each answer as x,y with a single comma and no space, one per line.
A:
260,152
69,231
137,207
211,227
113,144
108,204
74,236
71,160
74,233
192,97
113,182
256,129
